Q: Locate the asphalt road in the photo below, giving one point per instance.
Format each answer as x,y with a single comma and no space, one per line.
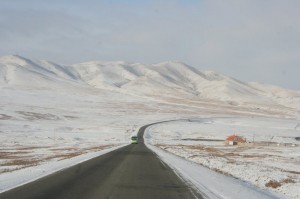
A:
131,172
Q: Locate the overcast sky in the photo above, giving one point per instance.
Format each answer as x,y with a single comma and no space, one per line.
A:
251,40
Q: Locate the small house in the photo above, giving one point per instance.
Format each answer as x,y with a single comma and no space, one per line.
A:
234,140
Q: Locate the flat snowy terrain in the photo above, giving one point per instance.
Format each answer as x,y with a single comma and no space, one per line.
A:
212,184
272,157
51,113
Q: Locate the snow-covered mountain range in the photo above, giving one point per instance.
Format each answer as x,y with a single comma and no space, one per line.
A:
165,81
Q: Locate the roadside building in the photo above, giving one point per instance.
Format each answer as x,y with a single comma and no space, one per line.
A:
234,140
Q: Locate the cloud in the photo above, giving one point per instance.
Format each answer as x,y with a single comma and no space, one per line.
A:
251,40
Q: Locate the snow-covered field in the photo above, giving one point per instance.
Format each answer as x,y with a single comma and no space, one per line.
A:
211,184
52,114
44,131
272,162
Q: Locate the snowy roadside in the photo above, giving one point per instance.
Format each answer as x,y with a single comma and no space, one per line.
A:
271,162
17,178
42,131
210,183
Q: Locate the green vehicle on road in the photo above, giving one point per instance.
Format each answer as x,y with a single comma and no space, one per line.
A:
134,139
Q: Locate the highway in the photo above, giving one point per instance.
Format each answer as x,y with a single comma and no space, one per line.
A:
131,172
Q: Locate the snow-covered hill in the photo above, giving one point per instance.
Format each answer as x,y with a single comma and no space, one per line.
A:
166,80
178,80
19,72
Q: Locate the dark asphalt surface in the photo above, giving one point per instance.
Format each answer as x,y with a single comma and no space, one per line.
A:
131,172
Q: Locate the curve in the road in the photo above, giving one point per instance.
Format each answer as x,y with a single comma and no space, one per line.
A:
131,172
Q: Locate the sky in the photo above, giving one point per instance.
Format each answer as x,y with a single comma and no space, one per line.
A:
250,40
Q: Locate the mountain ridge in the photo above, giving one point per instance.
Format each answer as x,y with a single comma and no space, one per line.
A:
172,79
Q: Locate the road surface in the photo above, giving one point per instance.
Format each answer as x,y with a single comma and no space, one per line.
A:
131,172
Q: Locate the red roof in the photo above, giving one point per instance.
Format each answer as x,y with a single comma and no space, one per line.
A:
236,138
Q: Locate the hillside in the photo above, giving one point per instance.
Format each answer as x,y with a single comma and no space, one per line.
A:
168,81
19,72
